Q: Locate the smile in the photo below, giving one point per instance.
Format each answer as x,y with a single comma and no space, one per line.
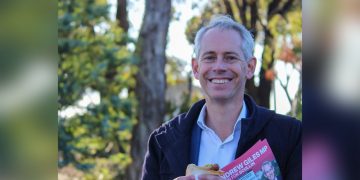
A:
219,81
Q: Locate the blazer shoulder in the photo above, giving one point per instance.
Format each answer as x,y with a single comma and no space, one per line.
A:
288,126
278,118
287,120
280,121
166,126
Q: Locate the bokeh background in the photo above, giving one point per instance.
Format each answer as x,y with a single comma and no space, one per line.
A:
124,69
331,89
28,89
70,73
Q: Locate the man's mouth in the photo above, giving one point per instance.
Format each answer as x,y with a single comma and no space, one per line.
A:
219,81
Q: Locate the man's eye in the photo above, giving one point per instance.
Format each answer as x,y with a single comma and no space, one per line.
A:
209,58
231,58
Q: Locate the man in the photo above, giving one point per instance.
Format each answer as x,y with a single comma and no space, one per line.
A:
227,123
269,171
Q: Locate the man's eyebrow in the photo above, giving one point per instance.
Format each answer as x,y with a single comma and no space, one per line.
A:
208,53
231,53
225,53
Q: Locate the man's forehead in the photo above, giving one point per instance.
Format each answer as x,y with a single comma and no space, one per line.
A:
220,32
221,41
224,52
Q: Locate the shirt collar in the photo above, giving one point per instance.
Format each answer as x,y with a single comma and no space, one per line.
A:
203,126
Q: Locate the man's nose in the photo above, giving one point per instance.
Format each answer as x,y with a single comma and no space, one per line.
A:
220,65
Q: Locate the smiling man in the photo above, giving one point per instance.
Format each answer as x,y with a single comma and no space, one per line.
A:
227,122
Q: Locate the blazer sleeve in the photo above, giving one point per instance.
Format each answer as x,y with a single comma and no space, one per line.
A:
294,163
151,164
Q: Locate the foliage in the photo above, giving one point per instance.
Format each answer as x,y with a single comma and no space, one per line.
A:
93,60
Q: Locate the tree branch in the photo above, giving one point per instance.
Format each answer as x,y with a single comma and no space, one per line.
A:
273,8
287,6
228,8
242,11
284,86
254,17
121,15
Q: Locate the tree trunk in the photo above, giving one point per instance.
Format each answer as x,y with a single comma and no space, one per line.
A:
122,16
251,89
264,89
150,79
228,8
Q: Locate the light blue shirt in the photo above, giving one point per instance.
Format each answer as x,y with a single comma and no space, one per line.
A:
212,149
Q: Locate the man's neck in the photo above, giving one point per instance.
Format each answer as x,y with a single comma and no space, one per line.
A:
221,117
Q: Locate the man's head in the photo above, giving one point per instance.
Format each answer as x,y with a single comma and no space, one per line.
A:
224,59
226,23
268,170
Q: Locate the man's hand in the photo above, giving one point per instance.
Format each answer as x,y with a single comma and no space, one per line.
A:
200,177
194,172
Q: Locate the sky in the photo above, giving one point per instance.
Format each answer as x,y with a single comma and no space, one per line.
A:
176,36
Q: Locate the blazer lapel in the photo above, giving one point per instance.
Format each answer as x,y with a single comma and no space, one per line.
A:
251,126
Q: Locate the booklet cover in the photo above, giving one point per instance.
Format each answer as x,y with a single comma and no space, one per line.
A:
257,163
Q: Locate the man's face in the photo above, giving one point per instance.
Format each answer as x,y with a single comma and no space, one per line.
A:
268,171
221,67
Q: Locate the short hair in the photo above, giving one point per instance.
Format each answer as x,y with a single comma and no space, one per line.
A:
224,22
267,163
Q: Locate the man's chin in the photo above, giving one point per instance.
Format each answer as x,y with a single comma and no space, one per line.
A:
220,98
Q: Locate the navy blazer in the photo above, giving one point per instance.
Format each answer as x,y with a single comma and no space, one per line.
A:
175,144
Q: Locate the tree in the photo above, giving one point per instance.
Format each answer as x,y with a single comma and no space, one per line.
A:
150,79
92,61
268,21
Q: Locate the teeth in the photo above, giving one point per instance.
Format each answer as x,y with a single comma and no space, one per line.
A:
220,81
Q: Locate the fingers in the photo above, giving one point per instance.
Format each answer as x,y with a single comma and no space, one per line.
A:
214,167
199,177
190,177
209,177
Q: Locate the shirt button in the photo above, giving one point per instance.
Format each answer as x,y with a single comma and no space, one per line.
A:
222,147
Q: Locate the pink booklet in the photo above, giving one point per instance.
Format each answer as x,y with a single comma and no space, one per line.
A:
257,163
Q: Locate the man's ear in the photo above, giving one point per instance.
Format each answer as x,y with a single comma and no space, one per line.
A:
195,67
251,65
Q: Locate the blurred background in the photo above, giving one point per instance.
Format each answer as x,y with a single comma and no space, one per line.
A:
84,82
331,89
28,89
125,68
121,68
